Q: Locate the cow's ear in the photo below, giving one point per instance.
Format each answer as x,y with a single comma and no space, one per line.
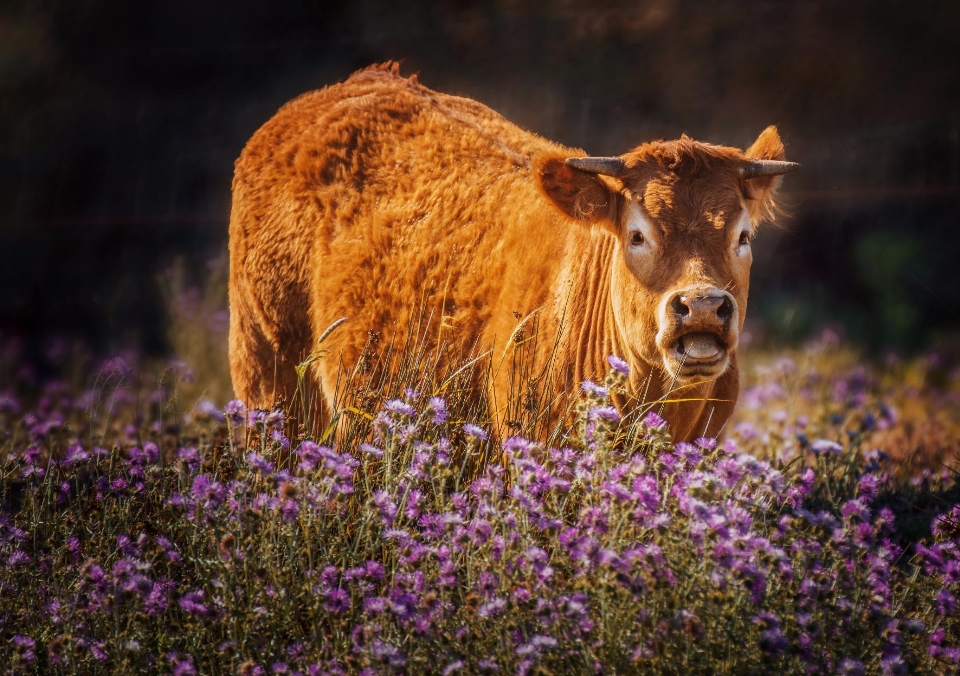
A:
761,190
581,195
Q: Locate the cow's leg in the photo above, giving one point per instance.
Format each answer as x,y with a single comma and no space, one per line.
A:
262,376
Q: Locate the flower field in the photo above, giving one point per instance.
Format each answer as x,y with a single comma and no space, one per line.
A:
144,532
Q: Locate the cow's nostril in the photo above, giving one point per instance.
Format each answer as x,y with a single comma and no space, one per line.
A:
679,307
725,311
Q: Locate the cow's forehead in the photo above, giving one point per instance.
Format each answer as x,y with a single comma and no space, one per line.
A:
710,202
686,183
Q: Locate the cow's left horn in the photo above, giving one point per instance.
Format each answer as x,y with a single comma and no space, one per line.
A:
757,168
608,166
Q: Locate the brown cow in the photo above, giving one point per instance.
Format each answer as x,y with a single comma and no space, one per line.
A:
368,198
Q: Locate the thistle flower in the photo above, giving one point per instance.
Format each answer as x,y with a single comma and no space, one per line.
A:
474,431
654,422
618,365
594,389
400,407
438,407
825,446
236,412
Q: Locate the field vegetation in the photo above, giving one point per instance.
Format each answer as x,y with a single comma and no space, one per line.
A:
147,527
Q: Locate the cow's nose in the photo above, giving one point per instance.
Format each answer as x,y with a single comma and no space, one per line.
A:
697,307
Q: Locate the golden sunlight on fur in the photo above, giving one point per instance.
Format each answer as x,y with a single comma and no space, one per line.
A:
374,198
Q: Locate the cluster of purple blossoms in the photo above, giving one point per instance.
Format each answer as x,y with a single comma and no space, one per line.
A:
615,549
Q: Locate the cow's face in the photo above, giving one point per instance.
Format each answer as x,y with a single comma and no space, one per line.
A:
684,214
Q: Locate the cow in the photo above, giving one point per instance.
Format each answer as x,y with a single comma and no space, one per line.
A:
367,199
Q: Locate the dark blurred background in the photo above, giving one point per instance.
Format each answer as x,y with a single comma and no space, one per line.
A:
120,122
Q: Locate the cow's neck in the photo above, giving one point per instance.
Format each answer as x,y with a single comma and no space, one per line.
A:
583,307
591,333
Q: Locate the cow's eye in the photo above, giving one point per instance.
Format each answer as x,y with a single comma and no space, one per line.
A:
636,238
744,238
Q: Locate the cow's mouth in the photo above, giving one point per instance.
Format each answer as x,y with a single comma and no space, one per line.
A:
698,356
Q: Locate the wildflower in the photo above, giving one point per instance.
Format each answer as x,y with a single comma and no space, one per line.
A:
400,407
18,558
654,422
618,365
337,601
235,412
592,388
181,665
275,420
850,667
387,653
259,463
439,409
492,608
855,510
208,409
289,510
868,486
488,666
474,431
946,603
822,446
192,603
605,413
25,646
75,455
371,450
773,642
208,493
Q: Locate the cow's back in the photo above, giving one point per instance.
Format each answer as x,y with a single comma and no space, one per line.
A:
370,200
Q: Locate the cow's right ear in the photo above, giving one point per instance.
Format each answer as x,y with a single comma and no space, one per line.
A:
581,195
763,174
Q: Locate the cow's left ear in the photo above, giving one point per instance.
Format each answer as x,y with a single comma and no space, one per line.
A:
579,194
762,179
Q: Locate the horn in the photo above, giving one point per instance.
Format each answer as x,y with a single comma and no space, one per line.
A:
608,166
757,168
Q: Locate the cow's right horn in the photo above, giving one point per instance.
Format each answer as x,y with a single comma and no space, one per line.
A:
608,166
757,168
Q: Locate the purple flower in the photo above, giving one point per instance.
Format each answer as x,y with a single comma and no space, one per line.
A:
868,486
439,408
337,601
488,666
654,422
210,410
850,667
618,365
400,407
820,446
387,653
474,431
608,413
208,493
371,450
26,646
591,387
855,510
192,603
18,558
946,603
75,454
259,463
773,642
275,420
492,608
236,412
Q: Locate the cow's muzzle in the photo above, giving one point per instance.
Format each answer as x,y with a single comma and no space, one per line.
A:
698,333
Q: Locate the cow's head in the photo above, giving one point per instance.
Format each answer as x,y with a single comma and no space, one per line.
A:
684,214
